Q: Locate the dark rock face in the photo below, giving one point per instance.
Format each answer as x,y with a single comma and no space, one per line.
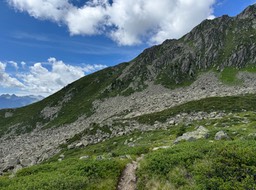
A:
248,13
222,42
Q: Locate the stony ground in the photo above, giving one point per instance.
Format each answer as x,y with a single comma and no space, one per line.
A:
157,98
128,179
28,149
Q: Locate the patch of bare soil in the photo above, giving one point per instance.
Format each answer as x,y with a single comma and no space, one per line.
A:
128,179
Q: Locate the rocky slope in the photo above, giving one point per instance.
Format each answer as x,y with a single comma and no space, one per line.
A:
104,104
218,43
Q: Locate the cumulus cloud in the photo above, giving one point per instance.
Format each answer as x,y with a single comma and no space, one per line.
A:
47,78
43,9
42,78
86,20
6,80
128,22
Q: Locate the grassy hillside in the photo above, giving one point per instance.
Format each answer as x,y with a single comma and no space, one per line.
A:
201,164
101,85
81,93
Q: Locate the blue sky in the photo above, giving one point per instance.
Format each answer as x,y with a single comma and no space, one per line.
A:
58,41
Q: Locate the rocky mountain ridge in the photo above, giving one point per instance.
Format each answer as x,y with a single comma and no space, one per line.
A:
218,43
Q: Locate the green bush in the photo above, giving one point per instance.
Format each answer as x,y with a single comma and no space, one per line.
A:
203,165
67,175
229,76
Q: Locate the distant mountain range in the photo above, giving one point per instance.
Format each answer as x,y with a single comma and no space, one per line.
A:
13,101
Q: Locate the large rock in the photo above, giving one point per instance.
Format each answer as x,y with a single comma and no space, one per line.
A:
10,164
17,168
84,157
79,145
25,162
200,133
62,156
160,147
43,157
221,135
85,143
8,114
71,146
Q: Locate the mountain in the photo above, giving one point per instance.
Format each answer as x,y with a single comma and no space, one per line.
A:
188,105
214,44
219,43
13,101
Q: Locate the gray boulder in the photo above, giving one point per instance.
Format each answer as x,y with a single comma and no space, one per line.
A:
11,163
200,133
85,143
8,114
84,157
172,122
43,157
221,135
26,162
62,156
100,157
17,168
79,145
71,146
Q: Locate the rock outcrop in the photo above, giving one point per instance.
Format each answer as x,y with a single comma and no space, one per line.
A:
199,133
221,135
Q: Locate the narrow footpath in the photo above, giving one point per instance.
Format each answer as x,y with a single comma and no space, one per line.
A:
128,179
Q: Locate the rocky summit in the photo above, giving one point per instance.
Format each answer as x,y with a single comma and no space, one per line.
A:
197,89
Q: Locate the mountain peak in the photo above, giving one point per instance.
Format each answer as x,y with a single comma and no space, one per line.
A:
248,13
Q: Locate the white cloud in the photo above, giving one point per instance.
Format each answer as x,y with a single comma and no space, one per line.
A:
43,9
91,68
127,22
47,78
211,17
85,20
182,17
6,80
23,64
14,64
